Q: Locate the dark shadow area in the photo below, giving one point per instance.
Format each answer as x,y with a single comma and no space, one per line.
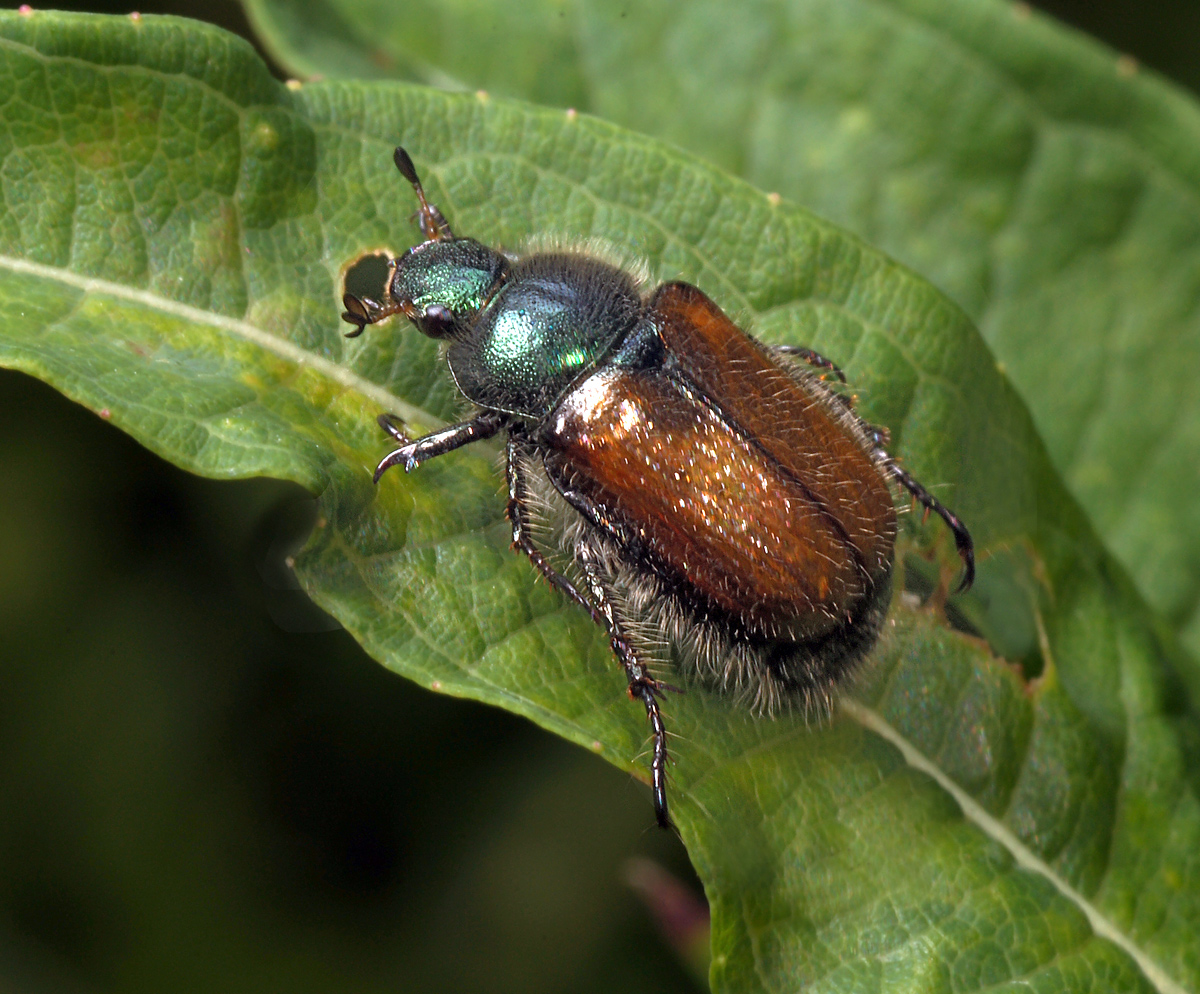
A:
189,790
1162,36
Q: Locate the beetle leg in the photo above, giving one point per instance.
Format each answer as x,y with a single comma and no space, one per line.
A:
816,359
485,424
391,423
593,513
518,500
433,223
642,686
878,434
362,311
811,357
962,537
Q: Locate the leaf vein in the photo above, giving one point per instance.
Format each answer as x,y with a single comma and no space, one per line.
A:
974,812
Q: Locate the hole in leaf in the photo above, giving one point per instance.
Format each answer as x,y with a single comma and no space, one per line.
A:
998,608
367,276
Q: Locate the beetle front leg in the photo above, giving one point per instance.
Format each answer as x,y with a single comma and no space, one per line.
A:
412,453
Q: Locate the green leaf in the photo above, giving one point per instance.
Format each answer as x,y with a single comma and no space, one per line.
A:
172,235
1049,187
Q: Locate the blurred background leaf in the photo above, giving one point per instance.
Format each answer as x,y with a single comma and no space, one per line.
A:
1080,856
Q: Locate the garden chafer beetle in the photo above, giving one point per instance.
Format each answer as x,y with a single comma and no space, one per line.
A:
710,492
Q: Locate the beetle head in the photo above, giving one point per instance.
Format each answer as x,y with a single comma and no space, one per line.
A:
438,284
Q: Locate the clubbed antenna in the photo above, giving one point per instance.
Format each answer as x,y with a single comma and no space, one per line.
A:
434,226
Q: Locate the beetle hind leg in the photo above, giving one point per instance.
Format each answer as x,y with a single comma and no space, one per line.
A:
818,361
642,685
604,612
810,356
962,538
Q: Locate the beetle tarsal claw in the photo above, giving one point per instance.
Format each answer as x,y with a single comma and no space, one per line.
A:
393,458
392,424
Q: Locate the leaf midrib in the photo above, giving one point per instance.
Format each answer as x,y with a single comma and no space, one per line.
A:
252,333
1000,833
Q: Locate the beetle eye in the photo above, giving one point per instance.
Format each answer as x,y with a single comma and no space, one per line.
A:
437,321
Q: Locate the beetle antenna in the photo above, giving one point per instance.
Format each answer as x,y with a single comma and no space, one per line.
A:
434,225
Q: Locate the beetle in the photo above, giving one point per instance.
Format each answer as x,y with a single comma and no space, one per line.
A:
711,492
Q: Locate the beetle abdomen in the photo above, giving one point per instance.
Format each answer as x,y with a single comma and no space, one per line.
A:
713,512
804,427
764,516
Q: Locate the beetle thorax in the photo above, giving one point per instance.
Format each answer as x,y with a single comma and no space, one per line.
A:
457,275
554,317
